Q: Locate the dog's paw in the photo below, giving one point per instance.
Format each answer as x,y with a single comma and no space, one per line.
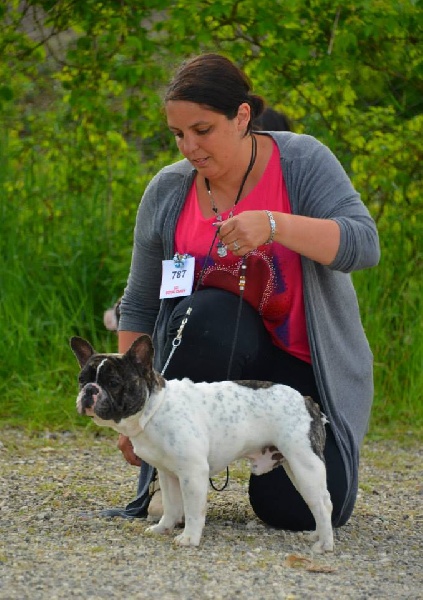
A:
159,529
313,536
152,519
186,540
322,546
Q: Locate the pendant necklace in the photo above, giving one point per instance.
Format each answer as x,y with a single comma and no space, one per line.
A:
222,250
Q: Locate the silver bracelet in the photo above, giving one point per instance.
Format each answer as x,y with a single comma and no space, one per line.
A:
272,226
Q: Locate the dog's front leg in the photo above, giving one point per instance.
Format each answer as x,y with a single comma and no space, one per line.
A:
194,486
172,505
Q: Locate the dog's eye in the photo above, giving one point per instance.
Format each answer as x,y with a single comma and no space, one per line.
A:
114,382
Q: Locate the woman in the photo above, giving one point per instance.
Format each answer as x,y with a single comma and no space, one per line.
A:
287,228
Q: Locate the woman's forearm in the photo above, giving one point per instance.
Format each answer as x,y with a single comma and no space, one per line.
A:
125,339
317,239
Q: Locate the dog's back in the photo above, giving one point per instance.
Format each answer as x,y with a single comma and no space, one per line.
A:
224,421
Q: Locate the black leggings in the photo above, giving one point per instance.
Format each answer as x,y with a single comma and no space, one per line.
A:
204,355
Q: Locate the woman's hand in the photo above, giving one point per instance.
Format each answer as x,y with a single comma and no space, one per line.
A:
245,232
125,446
317,239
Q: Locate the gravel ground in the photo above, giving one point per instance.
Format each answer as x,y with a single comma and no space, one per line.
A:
53,544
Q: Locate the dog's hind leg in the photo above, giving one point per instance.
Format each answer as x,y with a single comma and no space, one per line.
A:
308,474
172,504
194,487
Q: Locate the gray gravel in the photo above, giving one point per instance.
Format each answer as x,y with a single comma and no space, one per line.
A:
53,544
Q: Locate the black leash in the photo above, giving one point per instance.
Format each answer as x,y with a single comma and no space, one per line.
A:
178,338
237,322
243,268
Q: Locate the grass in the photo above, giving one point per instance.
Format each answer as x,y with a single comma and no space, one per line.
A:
65,253
391,308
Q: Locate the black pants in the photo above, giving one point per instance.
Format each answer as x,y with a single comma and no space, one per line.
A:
204,355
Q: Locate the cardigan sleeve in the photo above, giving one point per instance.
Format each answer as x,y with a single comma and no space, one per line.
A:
155,225
140,301
319,187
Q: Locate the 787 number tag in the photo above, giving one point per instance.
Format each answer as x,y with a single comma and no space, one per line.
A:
177,280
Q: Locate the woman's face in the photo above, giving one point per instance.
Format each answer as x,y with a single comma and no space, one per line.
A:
209,140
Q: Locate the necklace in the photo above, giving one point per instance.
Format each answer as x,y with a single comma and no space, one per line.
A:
222,250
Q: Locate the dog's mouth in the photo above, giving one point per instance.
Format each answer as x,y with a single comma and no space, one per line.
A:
95,403
87,399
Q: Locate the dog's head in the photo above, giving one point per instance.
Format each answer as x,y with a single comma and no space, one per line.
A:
113,387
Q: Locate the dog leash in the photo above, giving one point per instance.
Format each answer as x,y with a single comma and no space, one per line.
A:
242,281
178,338
222,251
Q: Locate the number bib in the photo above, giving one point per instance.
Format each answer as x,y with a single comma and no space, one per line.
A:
177,277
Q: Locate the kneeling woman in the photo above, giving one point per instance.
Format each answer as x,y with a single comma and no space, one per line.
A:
275,227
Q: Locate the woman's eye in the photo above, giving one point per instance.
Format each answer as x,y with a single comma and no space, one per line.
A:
180,136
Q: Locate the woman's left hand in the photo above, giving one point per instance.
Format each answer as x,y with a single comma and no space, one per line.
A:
245,232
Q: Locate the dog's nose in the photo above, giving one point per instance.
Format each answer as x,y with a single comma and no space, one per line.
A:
91,390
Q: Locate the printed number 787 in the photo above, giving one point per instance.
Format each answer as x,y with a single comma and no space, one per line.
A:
179,274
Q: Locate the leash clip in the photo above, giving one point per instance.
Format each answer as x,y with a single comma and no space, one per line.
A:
177,339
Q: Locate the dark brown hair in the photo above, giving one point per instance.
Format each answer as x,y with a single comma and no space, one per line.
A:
213,81
271,120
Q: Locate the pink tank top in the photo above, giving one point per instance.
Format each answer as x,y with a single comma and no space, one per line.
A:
274,284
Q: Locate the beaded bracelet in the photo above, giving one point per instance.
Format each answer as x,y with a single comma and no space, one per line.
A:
272,226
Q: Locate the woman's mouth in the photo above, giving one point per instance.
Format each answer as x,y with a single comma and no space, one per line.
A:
199,162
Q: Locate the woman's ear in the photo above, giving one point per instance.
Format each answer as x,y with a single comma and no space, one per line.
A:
244,116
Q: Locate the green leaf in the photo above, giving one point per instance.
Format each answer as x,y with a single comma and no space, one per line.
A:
6,92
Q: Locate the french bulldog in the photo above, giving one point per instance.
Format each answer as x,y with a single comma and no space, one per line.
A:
191,431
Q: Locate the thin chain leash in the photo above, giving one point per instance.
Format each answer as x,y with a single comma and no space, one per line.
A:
178,338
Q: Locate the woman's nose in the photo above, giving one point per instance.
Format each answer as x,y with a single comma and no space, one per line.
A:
188,144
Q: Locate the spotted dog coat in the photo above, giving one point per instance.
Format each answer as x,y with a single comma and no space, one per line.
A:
191,431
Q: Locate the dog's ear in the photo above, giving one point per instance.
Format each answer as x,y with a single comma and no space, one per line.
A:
82,350
142,352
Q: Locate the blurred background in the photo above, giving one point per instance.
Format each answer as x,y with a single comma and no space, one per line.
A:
82,131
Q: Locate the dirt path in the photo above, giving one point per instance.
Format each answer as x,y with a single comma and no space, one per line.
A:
51,547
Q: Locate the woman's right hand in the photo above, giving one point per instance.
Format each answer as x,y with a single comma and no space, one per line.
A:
125,446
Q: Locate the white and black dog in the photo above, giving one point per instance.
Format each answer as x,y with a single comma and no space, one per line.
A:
190,431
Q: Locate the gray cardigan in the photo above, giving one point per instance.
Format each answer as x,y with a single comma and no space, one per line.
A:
317,187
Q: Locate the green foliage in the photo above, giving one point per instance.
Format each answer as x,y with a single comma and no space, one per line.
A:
82,130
